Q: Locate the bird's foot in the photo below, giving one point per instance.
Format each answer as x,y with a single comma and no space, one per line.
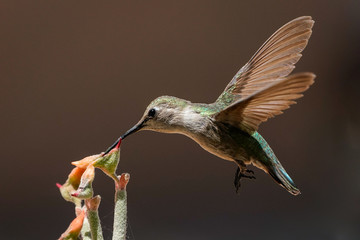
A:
239,175
247,176
237,183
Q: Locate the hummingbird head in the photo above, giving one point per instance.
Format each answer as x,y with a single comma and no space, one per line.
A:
164,114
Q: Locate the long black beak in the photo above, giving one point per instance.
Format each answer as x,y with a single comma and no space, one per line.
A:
134,129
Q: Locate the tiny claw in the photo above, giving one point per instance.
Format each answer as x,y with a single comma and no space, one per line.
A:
58,185
237,186
250,171
239,175
246,176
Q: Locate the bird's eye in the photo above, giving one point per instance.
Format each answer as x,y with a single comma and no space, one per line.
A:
152,112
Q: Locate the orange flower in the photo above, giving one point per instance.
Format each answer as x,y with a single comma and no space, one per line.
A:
73,231
84,163
75,176
71,184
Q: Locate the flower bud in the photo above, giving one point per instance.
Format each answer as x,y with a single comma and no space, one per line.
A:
123,181
71,184
93,203
85,190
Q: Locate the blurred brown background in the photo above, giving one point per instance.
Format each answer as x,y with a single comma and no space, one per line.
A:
76,74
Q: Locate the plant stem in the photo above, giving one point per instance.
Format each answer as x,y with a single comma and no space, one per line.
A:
120,212
85,231
92,214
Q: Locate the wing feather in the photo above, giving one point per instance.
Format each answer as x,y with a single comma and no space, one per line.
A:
248,113
275,59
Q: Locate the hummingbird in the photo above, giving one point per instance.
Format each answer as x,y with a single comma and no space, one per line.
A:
227,128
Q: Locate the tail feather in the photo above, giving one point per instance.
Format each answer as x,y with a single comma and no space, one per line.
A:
280,175
272,166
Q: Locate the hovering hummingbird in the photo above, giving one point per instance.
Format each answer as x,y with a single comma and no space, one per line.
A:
260,90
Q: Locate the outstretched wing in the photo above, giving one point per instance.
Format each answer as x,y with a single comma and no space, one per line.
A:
249,112
261,88
275,59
